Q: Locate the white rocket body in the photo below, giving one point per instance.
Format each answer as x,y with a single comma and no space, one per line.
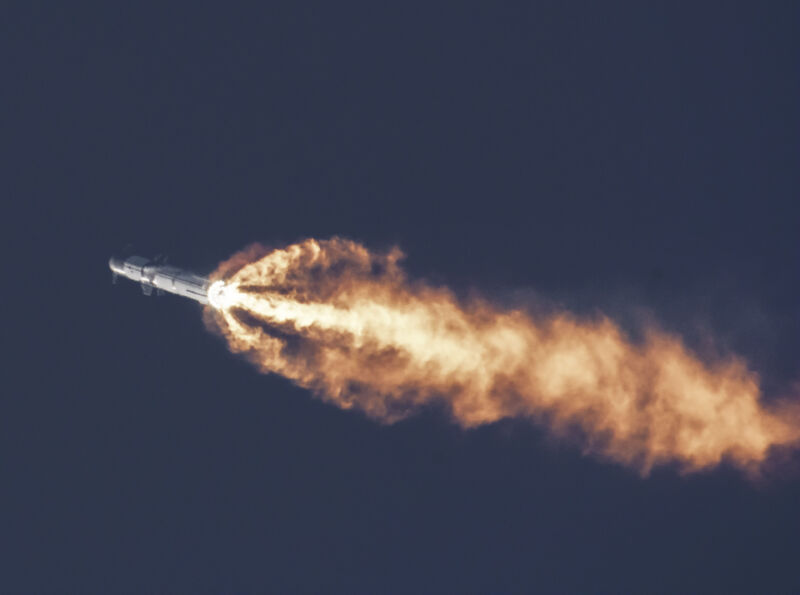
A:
152,274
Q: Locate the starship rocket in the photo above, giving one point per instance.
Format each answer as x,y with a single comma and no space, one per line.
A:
154,274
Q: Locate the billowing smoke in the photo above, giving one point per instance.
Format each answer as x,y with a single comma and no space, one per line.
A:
348,324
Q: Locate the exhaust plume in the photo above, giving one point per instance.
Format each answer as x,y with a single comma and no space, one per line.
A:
349,325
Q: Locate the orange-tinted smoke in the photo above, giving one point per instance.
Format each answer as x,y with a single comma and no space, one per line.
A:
346,323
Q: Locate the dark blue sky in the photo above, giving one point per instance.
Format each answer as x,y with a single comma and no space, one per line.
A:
623,156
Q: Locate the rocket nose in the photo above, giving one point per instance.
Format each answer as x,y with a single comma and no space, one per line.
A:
116,264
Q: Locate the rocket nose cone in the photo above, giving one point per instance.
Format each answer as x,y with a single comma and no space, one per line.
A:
116,264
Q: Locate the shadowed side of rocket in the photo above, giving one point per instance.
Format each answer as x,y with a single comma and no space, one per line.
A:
154,274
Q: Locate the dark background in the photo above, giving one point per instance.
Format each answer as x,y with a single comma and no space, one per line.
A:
627,157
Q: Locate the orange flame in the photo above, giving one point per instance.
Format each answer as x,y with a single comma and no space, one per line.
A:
348,324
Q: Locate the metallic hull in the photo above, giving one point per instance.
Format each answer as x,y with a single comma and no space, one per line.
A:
152,274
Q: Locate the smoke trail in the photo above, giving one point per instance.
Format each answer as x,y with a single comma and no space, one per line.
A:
348,324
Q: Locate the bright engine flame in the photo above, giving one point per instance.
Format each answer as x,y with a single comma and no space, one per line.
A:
347,323
220,296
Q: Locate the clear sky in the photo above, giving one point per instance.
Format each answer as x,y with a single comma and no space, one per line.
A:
623,156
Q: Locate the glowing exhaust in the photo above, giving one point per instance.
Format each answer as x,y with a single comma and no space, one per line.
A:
348,324
220,296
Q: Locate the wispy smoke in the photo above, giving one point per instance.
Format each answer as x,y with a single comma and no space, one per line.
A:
348,324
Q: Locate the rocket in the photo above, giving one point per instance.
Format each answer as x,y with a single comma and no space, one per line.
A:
155,274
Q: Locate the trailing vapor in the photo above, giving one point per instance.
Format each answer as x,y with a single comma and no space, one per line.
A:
347,323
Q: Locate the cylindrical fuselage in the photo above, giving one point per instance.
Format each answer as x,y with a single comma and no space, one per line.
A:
153,275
